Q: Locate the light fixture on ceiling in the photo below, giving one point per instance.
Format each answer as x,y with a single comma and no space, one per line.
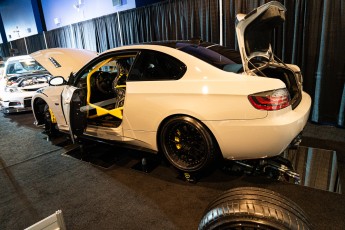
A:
57,21
79,4
117,2
17,31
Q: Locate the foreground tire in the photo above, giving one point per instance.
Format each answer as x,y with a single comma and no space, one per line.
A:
187,144
253,208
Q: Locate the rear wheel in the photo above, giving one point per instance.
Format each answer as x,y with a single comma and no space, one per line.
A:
253,208
187,144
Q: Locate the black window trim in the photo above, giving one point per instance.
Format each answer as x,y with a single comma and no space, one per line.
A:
142,51
104,56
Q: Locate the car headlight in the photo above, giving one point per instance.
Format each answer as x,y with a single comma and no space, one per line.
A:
40,90
11,89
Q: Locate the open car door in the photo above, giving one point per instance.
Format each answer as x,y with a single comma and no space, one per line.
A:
73,104
98,104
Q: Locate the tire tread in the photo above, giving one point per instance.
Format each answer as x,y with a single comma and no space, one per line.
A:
255,205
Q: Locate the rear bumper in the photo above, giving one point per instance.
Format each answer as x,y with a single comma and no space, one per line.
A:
259,138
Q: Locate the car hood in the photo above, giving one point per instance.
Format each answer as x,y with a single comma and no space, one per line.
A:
63,61
254,31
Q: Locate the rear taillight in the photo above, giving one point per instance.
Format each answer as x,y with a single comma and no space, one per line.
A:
270,100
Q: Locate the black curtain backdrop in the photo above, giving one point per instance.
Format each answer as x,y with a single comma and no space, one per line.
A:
61,37
5,50
311,37
101,33
174,20
85,35
112,35
35,43
19,46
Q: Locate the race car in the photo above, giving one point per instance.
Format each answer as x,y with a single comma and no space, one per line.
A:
20,79
194,101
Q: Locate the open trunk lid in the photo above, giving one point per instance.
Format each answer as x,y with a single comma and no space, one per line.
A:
254,32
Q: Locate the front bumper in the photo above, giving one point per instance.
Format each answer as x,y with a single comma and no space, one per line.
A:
16,105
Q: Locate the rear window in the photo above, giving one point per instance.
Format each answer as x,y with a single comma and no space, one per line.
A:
216,59
216,55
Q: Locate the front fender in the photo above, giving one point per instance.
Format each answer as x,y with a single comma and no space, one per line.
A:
52,97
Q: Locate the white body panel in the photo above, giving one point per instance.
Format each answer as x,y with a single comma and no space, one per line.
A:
217,98
238,138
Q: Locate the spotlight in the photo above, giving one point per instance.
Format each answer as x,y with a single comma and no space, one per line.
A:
57,21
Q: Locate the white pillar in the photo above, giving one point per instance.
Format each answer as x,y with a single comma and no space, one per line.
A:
45,40
26,47
74,44
119,23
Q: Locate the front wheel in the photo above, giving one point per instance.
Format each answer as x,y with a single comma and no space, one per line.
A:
49,122
187,144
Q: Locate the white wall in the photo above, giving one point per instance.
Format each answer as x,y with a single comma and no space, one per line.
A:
67,14
18,19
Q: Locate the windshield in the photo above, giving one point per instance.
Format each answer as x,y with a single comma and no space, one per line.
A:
23,66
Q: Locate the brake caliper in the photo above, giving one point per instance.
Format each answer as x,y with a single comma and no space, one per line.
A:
178,140
52,116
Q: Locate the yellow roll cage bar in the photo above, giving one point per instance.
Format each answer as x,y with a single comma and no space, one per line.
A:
117,112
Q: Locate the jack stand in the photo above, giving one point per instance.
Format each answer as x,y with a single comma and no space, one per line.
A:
81,148
191,178
146,165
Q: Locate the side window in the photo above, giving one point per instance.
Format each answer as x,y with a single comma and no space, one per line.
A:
156,66
18,67
10,68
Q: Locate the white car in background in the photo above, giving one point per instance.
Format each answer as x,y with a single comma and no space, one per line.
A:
21,77
189,100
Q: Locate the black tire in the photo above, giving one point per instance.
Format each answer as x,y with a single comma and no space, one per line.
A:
49,126
253,208
187,144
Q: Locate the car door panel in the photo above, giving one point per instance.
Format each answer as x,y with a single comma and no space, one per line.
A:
71,105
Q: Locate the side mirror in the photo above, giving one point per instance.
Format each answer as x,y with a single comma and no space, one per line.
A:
56,81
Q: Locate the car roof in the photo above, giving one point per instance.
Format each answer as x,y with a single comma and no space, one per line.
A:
232,54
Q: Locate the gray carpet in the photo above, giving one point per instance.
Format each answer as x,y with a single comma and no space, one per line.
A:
37,179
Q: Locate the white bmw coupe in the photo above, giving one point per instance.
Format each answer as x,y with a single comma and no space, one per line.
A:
191,100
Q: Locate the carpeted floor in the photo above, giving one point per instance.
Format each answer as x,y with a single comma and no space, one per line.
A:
37,178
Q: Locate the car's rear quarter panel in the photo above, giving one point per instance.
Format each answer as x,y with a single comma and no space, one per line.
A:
205,93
